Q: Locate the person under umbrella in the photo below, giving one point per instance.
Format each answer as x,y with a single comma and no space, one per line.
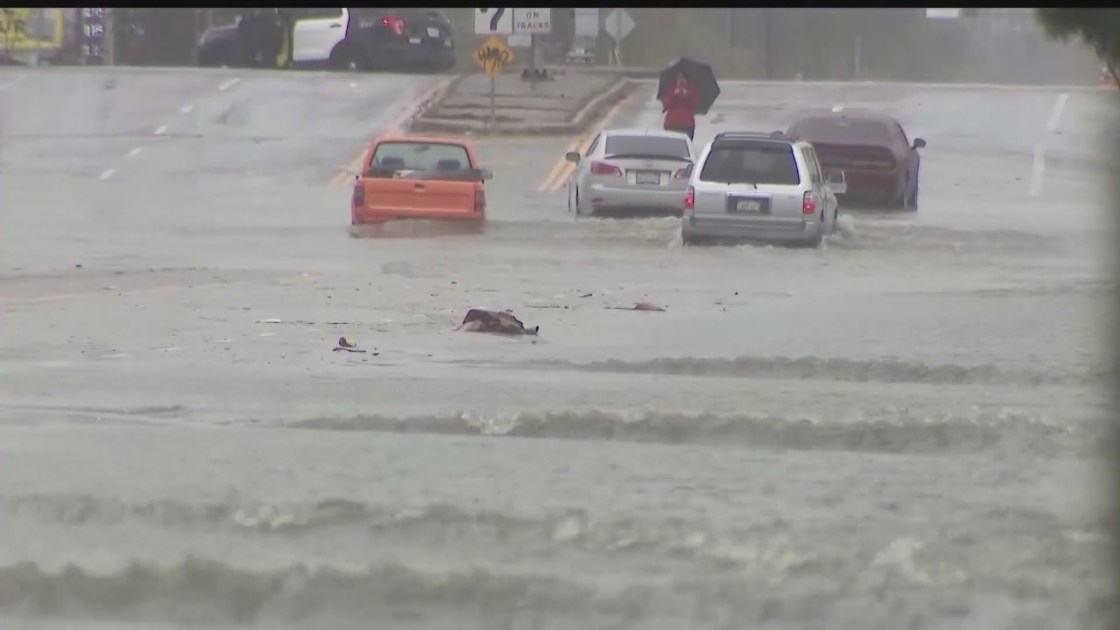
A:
679,104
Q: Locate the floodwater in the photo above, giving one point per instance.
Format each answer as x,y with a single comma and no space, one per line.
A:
906,428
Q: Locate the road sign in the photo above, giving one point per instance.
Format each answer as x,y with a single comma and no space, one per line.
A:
618,24
493,55
532,20
943,14
493,21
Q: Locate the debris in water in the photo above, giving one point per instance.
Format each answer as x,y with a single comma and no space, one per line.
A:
638,306
271,320
499,322
345,345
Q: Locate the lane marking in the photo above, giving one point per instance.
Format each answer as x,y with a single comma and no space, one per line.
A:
134,152
394,126
186,109
108,173
1056,113
14,82
566,172
228,84
110,293
557,167
162,129
1038,163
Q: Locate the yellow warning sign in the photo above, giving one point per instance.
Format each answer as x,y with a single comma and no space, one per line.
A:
493,55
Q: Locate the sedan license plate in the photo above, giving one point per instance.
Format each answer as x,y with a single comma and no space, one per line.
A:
433,32
648,177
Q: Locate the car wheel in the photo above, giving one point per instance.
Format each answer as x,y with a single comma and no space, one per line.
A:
912,198
349,58
580,210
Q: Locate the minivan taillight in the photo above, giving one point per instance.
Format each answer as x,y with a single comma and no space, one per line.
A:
690,198
808,204
479,201
394,23
602,168
358,199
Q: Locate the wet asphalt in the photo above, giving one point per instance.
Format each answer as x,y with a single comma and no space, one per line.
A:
904,428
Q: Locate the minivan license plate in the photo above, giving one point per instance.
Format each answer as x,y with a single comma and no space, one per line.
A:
748,205
433,32
648,177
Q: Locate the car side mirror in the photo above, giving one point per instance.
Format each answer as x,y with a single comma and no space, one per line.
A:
836,181
572,156
486,174
919,143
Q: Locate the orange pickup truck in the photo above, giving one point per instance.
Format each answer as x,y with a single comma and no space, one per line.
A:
419,177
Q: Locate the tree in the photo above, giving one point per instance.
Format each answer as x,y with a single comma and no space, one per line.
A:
1096,28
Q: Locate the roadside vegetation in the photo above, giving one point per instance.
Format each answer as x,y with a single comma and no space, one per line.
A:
1099,29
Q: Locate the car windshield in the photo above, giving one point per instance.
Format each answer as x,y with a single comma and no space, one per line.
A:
421,156
659,146
843,131
770,163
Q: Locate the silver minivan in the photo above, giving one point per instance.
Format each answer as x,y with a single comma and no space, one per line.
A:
757,186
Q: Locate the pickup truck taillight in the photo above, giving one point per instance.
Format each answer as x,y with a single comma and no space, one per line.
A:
602,168
358,199
479,201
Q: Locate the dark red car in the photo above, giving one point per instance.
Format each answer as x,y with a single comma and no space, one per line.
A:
878,161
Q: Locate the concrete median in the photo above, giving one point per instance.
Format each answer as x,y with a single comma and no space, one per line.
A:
567,104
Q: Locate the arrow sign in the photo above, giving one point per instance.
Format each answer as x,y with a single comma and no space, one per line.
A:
492,21
618,24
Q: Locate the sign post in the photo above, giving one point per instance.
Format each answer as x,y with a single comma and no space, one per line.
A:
533,22
493,56
618,25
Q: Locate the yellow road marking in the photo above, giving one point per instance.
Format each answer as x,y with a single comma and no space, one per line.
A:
554,172
394,126
567,167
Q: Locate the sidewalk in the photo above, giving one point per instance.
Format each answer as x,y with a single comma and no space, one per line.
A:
565,105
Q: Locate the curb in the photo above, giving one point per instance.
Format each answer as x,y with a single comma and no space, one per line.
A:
592,110
433,98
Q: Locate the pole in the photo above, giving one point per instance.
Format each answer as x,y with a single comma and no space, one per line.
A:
110,41
532,62
617,44
492,107
857,53
768,25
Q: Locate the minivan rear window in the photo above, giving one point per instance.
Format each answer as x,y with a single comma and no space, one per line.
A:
420,156
752,163
647,146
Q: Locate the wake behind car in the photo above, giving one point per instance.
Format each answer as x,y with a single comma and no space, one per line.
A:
644,170
339,38
755,186
871,147
419,177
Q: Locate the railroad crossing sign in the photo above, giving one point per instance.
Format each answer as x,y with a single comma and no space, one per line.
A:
493,21
493,55
618,24
532,20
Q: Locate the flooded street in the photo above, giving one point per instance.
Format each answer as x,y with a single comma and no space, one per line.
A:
903,429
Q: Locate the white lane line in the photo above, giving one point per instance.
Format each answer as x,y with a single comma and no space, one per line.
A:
16,81
186,109
1056,113
1038,164
134,152
1038,170
162,129
108,173
228,84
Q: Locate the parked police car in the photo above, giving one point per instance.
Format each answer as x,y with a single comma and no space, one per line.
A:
340,38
